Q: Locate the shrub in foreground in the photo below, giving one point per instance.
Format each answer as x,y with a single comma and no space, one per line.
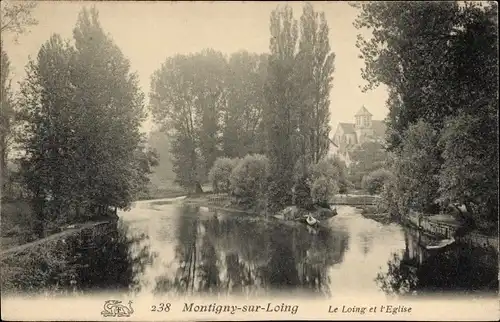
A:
220,173
374,182
248,180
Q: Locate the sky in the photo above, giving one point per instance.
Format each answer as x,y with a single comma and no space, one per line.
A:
149,32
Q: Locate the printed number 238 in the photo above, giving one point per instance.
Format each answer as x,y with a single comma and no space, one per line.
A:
162,307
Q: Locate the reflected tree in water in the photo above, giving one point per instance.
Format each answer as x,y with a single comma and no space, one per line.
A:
321,251
243,255
281,270
239,275
400,278
185,254
109,258
198,258
98,258
208,270
464,269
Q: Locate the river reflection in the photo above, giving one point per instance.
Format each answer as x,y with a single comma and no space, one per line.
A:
221,253
166,248
106,257
235,254
461,269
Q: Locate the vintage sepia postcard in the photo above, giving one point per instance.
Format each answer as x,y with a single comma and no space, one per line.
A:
224,161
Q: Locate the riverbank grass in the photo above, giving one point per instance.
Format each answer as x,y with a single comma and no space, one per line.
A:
17,224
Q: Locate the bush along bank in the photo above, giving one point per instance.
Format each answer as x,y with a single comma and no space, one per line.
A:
243,185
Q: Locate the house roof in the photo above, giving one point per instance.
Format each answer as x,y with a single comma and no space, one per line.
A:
379,128
348,128
333,143
363,111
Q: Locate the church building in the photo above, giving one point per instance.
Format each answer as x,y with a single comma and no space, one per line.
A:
348,135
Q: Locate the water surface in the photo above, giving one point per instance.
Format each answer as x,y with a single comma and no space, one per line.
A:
211,252
166,248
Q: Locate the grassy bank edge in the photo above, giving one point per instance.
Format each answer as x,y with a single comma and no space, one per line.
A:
370,212
9,251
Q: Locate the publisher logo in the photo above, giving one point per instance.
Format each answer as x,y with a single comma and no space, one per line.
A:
115,308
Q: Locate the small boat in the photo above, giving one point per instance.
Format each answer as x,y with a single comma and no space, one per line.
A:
441,244
311,221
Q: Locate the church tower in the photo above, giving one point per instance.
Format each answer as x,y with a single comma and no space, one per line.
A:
363,125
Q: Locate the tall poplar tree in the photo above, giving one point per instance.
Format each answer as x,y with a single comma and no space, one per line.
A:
243,121
112,110
282,100
315,64
82,110
49,140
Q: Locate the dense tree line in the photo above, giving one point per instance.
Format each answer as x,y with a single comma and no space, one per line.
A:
209,106
297,96
79,110
276,104
16,19
439,61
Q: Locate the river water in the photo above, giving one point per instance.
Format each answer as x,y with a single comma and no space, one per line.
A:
164,247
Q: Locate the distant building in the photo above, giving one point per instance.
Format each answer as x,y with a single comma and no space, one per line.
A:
348,135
